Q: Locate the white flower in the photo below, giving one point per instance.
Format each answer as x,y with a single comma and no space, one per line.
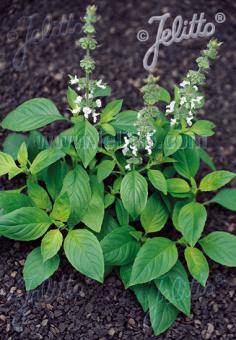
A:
125,150
183,100
195,87
184,83
98,103
90,95
134,150
128,167
149,149
74,80
199,99
78,100
78,88
170,107
87,110
76,109
173,121
99,84
189,119
127,141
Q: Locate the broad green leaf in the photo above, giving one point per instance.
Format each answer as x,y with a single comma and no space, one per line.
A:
44,159
102,92
191,221
177,185
206,159
10,201
155,258
111,110
12,144
197,264
109,224
76,184
216,180
55,177
158,180
125,272
22,155
24,224
175,287
175,215
51,244
203,128
134,193
32,114
94,215
126,121
163,95
104,169
61,208
36,270
142,293
226,198
85,253
155,215
8,165
121,214
39,196
172,143
108,128
188,159
162,313
119,247
220,247
86,140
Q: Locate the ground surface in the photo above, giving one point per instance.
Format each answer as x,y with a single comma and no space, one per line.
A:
69,306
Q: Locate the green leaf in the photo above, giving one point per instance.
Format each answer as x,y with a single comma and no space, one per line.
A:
55,176
121,214
172,143
109,224
108,128
109,199
162,313
175,216
119,247
76,185
188,160
226,198
220,247
203,128
99,92
216,180
155,258
44,159
191,221
36,270
111,110
104,169
126,121
85,253
175,287
71,97
86,140
206,159
22,155
8,165
36,142
197,264
32,114
177,185
12,144
10,201
39,196
94,215
51,244
24,224
154,216
125,272
142,293
163,95
134,193
61,208
158,180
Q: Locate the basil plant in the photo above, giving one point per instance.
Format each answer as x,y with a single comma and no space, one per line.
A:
118,188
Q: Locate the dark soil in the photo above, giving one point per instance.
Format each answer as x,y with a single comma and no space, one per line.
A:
70,306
